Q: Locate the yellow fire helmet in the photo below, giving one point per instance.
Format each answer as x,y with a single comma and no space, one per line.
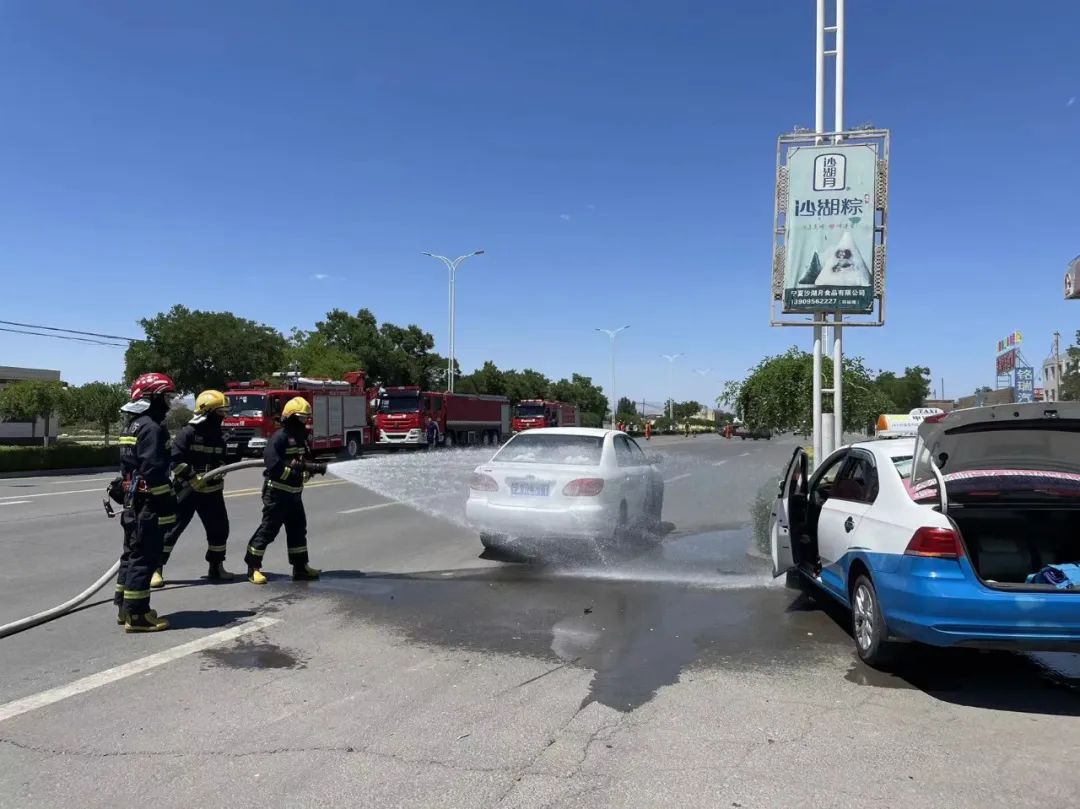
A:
208,401
296,406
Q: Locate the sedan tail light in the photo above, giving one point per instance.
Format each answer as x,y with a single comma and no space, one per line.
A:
584,487
483,483
938,543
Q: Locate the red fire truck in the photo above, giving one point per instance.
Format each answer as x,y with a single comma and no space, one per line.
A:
532,413
339,408
462,418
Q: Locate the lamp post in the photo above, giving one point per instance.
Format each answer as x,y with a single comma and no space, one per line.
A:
671,399
452,266
612,334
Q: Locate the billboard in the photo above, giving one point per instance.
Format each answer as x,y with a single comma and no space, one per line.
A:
1009,343
1006,362
1025,384
829,228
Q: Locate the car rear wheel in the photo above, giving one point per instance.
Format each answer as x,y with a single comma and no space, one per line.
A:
868,625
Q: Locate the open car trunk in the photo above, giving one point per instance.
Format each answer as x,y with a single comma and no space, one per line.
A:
1012,478
1006,544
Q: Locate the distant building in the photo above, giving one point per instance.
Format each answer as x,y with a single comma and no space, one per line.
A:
27,431
1053,369
946,405
993,397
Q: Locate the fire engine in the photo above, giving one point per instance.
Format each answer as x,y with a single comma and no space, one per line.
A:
532,413
339,413
461,418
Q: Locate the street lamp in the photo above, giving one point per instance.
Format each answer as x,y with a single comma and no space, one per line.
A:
452,267
612,334
671,383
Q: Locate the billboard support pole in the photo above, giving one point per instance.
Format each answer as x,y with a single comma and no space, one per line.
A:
819,128
838,339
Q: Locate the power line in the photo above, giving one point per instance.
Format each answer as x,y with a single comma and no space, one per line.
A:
68,331
63,337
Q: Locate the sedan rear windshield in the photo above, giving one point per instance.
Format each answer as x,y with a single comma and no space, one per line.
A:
569,450
1003,484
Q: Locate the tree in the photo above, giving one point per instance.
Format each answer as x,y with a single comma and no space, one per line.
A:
487,380
312,355
31,399
684,411
98,403
778,394
581,391
526,384
201,350
626,407
389,355
179,415
905,392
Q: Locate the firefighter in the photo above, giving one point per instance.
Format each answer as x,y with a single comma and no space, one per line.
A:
432,433
648,431
198,448
149,502
286,470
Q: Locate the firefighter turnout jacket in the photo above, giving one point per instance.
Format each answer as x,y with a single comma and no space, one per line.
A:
196,450
144,464
281,451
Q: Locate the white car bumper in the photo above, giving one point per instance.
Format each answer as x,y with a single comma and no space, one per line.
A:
584,521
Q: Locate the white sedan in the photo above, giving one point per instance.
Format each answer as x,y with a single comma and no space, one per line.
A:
566,483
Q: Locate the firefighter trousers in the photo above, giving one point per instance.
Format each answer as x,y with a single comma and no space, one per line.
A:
140,558
280,509
210,506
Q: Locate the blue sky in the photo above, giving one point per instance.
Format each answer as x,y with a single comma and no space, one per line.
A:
615,159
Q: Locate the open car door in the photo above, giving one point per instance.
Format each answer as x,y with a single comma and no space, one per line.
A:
789,512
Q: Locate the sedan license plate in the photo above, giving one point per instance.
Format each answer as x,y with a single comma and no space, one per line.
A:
530,489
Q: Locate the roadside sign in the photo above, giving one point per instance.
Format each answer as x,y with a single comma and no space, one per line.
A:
1025,384
829,240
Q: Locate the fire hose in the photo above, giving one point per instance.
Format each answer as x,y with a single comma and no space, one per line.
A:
107,576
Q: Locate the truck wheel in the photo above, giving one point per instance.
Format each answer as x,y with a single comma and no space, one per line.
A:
448,441
352,447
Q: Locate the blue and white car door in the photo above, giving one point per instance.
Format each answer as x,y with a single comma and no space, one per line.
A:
841,517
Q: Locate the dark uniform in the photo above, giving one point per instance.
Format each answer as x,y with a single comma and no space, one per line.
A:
149,509
282,501
197,449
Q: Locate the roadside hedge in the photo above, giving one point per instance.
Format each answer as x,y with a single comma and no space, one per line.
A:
69,456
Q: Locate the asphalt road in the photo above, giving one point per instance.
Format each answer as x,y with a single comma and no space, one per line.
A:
416,673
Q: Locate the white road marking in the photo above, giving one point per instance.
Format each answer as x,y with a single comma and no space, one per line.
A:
372,508
721,463
99,490
14,503
40,700
743,454
678,478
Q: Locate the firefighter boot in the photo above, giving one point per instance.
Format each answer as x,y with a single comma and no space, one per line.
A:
121,616
217,572
147,622
255,576
156,581
305,573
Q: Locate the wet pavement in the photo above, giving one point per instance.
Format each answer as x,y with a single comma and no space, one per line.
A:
695,602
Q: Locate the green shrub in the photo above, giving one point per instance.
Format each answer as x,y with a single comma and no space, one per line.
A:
64,456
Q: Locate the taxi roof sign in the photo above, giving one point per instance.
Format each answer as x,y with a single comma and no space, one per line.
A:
898,425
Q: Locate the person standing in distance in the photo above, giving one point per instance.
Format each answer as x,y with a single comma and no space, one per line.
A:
432,433
286,470
149,502
198,448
